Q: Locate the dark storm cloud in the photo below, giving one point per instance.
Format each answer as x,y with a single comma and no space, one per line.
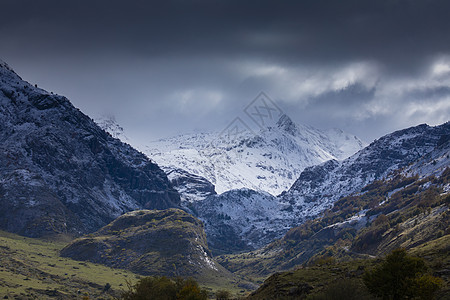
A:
399,33
180,62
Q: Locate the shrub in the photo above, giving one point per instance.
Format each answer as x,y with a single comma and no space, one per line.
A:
107,287
401,276
343,289
381,220
163,288
324,260
189,290
426,286
223,295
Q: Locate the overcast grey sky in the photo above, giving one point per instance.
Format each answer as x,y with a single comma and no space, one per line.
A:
170,67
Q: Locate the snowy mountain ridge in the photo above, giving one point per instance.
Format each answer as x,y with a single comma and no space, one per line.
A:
109,124
244,219
332,180
270,161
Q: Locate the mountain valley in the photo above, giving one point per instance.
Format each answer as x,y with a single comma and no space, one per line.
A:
286,212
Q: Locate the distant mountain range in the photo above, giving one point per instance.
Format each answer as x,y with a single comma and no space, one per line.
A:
246,219
320,186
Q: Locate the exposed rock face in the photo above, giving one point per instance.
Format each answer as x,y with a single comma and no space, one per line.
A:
240,220
149,242
60,172
191,187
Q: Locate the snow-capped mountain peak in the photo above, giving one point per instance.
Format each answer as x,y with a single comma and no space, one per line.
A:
285,123
269,161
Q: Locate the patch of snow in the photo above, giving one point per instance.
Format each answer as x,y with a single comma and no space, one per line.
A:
446,188
204,256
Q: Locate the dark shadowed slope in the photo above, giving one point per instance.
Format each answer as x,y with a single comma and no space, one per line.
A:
61,173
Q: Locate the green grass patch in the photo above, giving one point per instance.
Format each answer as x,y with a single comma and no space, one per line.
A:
33,268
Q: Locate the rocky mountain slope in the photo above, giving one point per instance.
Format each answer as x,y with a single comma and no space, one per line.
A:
318,187
192,188
407,209
240,220
60,172
269,160
149,242
110,125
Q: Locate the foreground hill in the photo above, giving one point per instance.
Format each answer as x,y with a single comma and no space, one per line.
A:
153,242
150,242
31,268
60,172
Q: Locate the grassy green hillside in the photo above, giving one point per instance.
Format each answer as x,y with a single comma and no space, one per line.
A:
32,269
156,243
